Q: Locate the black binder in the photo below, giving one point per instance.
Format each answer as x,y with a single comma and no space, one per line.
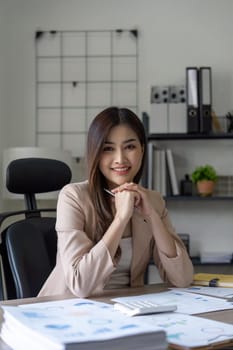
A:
193,123
205,98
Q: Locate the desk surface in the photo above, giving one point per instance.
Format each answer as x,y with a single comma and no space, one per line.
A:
224,316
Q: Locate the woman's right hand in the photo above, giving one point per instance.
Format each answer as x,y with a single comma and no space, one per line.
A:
124,204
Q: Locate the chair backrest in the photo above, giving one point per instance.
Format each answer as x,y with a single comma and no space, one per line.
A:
31,252
31,176
29,245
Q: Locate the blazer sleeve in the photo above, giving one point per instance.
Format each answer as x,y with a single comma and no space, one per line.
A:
177,271
86,265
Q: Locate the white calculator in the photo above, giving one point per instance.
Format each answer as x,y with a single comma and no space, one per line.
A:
143,307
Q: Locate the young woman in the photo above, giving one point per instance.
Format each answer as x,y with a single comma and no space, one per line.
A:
109,227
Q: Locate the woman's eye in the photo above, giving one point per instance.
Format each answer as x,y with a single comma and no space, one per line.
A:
107,149
130,147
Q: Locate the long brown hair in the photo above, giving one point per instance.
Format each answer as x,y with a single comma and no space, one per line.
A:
97,135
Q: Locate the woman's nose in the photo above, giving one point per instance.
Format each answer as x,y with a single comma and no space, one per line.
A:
119,156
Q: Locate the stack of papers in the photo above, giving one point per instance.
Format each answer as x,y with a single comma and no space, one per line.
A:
186,303
89,325
77,324
220,292
191,332
183,329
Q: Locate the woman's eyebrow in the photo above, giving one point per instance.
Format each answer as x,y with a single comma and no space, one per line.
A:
126,141
129,140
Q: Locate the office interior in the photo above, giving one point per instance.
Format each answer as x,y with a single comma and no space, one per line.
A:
172,35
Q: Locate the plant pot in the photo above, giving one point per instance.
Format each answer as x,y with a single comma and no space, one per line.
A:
205,187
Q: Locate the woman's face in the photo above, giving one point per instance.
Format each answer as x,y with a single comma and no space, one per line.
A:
121,156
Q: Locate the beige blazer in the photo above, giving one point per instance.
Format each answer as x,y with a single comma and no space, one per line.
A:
84,268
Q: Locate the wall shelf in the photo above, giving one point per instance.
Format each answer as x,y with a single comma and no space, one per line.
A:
198,198
188,151
197,261
171,136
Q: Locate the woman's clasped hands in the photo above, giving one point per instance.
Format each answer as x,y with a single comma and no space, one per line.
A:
130,197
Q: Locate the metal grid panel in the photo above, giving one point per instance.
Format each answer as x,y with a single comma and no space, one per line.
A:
78,74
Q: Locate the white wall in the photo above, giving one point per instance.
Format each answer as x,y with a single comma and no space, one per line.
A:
3,84
174,34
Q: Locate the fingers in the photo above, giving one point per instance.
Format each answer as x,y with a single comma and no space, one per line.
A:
132,187
121,188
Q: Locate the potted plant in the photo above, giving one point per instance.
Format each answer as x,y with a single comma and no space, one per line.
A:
204,177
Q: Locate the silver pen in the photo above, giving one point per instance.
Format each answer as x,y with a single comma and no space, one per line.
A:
109,192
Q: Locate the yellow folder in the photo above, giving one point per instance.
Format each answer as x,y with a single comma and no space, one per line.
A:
213,280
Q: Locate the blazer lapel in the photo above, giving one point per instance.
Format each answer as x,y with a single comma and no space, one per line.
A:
141,237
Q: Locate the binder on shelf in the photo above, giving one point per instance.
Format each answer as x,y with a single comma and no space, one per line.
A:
172,173
150,165
157,169
192,89
160,171
205,98
163,173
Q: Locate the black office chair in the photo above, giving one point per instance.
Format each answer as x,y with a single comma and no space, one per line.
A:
29,245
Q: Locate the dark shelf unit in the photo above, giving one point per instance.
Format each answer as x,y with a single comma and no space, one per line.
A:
179,137
227,267
185,137
171,136
199,198
197,261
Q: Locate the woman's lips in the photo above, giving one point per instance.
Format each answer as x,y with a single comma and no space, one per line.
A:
121,171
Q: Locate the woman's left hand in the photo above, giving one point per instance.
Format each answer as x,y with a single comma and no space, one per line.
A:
142,202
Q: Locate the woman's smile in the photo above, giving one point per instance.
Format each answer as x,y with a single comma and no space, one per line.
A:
121,170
